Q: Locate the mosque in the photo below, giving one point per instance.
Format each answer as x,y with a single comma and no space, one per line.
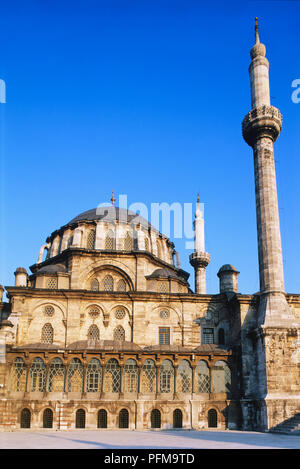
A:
106,332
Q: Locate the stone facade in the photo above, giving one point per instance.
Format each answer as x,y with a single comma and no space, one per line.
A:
106,333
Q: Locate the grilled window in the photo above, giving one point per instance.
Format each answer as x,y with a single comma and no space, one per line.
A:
119,334
148,378
164,314
75,376
56,376
25,418
49,310
202,377
80,418
90,243
128,244
52,283
93,333
120,313
47,334
102,418
18,375
166,377
208,335
184,377
108,283
147,244
110,240
177,418
130,376
47,418
123,418
164,336
155,418
93,376
221,377
162,287
112,377
121,285
94,312
37,375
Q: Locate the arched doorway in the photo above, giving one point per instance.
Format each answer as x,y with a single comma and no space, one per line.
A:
102,418
80,418
212,417
25,418
47,418
177,418
155,419
123,418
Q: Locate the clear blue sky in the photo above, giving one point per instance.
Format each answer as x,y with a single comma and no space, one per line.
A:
146,98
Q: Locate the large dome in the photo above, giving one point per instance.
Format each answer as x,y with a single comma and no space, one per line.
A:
111,214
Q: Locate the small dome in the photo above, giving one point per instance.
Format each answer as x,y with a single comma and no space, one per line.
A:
163,273
227,268
52,269
21,270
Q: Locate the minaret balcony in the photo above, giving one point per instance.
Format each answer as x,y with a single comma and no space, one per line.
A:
264,121
199,259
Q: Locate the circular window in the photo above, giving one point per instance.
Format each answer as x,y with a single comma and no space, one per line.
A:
94,312
49,310
164,314
120,313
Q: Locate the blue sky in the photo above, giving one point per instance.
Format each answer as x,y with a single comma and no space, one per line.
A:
146,98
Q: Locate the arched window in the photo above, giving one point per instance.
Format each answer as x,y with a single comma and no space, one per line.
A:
47,334
212,418
90,243
94,285
110,240
148,378
166,377
177,418
120,313
202,377
184,377
93,333
80,418
47,418
130,376
221,337
108,283
18,375
112,377
119,334
128,244
121,285
155,419
147,244
221,377
158,247
75,376
37,376
56,382
123,419
93,376
102,418
25,418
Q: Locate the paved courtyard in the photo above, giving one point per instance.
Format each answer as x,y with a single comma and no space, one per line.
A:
126,439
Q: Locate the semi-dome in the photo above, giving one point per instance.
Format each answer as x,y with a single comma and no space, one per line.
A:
52,269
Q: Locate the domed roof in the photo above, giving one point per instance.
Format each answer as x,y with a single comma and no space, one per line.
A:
163,273
52,269
227,268
111,214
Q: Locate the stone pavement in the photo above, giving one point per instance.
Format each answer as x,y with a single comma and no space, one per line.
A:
126,439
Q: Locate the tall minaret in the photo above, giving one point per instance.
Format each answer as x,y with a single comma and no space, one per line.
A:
261,127
199,259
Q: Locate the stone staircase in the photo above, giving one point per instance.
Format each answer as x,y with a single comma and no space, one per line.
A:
290,426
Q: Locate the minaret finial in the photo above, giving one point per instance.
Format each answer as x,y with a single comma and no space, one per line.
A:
256,31
113,199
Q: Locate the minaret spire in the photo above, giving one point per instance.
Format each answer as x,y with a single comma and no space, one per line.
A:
199,259
261,127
